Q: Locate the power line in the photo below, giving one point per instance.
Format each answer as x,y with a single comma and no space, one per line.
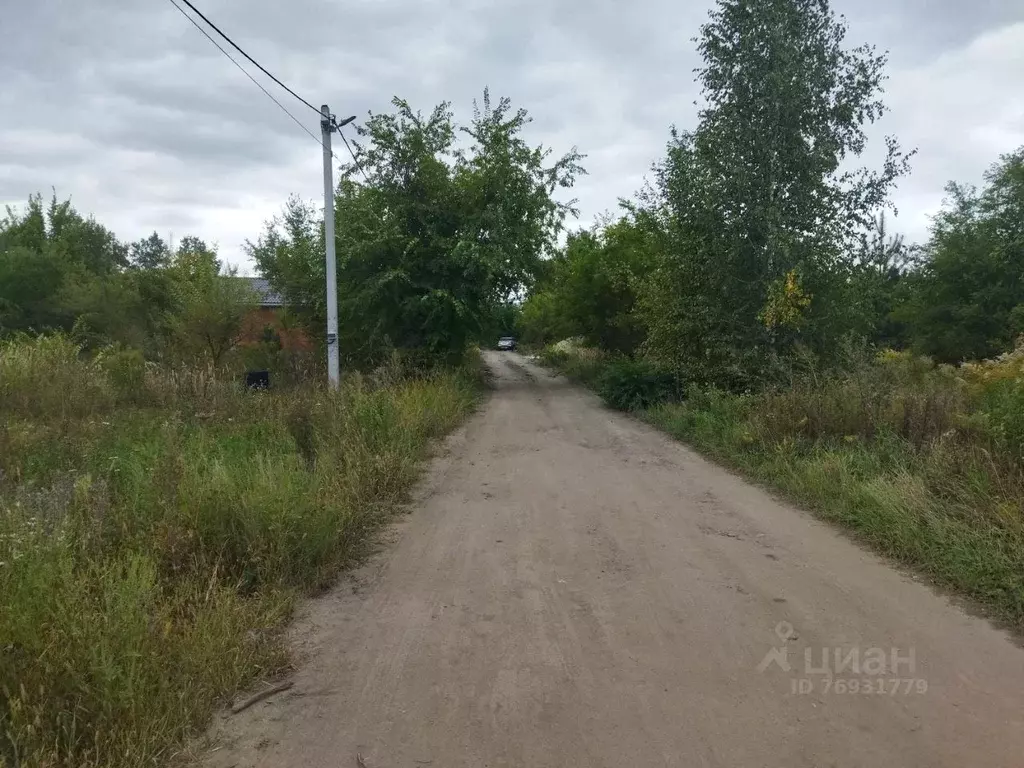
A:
354,159
259,85
328,123
244,70
250,58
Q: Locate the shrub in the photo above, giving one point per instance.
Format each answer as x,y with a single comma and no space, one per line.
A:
50,377
125,369
1001,404
998,388
582,364
895,394
633,384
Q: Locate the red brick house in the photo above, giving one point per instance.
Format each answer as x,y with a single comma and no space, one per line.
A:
268,319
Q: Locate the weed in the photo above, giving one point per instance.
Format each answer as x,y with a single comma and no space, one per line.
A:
633,384
156,526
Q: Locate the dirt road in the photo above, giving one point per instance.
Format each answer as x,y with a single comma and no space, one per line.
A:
575,589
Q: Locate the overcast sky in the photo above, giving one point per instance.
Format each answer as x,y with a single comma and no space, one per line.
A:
123,105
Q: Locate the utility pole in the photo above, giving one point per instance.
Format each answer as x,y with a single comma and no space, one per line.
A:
333,366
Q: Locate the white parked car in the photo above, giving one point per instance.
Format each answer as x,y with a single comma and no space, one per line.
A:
506,344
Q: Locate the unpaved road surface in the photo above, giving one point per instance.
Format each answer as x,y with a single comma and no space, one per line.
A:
573,588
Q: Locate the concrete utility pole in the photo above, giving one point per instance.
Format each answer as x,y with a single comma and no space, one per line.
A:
333,366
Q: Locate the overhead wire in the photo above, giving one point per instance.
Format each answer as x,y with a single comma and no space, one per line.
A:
238,48
353,154
269,74
244,70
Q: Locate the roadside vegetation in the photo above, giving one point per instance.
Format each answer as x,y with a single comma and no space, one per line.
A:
158,525
158,519
754,301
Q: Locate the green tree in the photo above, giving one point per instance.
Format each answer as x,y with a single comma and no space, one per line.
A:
193,258
60,270
968,301
29,284
881,282
542,321
507,194
406,279
32,272
435,242
149,253
84,242
212,304
27,230
46,254
590,289
134,308
758,197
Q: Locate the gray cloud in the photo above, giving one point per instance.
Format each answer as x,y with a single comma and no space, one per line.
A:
129,110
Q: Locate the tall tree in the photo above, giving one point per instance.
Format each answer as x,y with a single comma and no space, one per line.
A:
508,193
290,254
212,304
84,241
27,229
760,196
42,250
407,280
30,282
968,302
882,279
149,253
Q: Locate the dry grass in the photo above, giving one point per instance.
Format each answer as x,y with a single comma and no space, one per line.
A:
156,526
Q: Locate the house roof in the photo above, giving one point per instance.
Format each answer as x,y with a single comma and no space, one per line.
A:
268,297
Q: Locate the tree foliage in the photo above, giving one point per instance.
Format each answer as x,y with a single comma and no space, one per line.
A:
882,281
968,301
60,271
434,239
149,253
757,234
213,303
760,205
758,241
589,289
44,249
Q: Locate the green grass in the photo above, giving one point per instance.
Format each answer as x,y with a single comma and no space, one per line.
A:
154,537
907,457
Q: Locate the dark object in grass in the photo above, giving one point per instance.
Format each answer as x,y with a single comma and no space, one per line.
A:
257,379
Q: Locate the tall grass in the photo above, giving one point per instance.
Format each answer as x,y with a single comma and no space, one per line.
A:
156,526
921,462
